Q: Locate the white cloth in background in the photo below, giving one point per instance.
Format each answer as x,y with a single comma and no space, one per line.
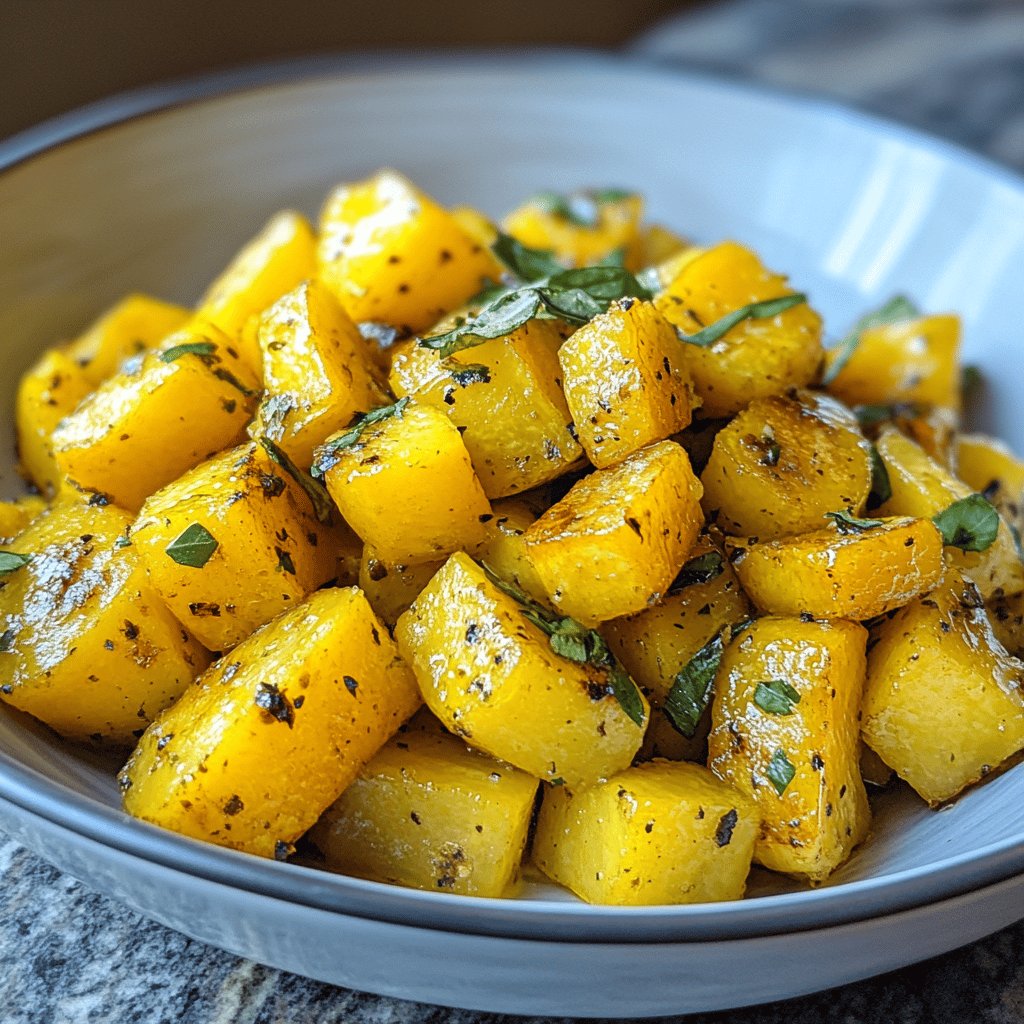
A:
952,67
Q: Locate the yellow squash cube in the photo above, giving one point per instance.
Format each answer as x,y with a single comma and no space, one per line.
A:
843,571
318,372
430,813
491,675
916,360
943,703
392,587
783,463
922,487
268,738
989,467
580,228
280,257
1006,615
625,381
505,551
656,245
505,396
16,515
757,357
785,731
87,645
161,415
405,484
47,393
655,644
132,326
659,833
390,254
231,544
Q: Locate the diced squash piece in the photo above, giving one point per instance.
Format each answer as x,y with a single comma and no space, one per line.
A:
873,770
785,731
268,738
988,466
655,644
16,515
130,327
615,542
580,228
164,413
47,393
1006,615
281,256
625,381
671,266
391,254
656,245
505,396
476,224
505,552
87,645
430,813
917,360
392,587
921,487
662,832
943,703
231,544
842,571
756,358
491,676
783,463
318,372
413,461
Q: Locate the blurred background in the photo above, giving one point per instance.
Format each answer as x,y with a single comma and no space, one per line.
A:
953,67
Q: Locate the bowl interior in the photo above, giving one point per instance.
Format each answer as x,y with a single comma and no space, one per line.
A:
853,210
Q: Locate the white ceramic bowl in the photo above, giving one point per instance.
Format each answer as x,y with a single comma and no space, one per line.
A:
154,192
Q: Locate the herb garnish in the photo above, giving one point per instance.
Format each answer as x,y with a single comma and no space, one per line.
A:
970,524
754,311
323,507
193,547
847,523
691,689
583,207
189,348
881,487
11,560
897,310
326,455
872,415
780,771
776,696
572,640
971,379
471,373
701,569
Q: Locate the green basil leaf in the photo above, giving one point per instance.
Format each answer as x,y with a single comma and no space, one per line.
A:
776,696
899,309
604,282
971,380
780,771
583,207
970,524
491,291
190,348
615,258
848,523
881,487
527,264
506,314
611,195
193,547
691,689
650,280
872,415
323,507
327,454
754,311
701,569
11,561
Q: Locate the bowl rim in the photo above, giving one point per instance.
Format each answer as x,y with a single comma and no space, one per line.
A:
30,792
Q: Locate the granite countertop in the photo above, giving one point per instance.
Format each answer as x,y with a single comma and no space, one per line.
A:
71,956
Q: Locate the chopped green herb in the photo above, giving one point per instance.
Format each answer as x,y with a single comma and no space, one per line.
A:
572,640
615,258
471,373
189,348
776,696
691,689
971,380
701,569
970,524
780,771
848,523
11,560
583,207
897,310
754,311
881,488
284,561
326,455
7,639
872,415
504,315
323,507
527,264
772,455
193,547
